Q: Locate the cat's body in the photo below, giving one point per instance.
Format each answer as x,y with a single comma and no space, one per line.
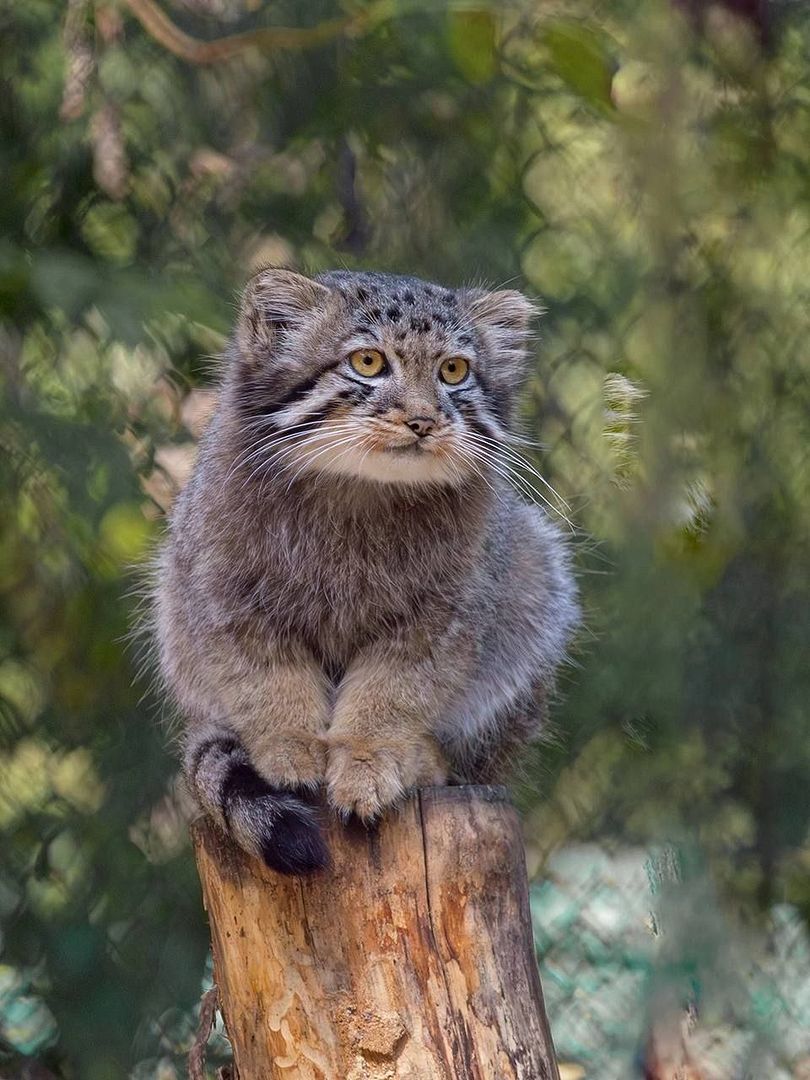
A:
351,594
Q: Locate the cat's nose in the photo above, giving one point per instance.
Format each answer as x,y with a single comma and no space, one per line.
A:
421,425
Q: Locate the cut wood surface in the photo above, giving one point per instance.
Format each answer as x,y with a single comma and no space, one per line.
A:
411,957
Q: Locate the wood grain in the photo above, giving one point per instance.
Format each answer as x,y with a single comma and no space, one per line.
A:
410,958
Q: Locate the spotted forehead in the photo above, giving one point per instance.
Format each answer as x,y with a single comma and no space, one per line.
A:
415,316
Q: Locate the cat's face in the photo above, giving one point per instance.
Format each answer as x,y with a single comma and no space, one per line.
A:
386,378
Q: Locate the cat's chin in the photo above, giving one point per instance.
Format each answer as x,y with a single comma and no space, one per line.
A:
399,466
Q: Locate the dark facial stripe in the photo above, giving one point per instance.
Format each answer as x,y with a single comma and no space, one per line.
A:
297,392
496,398
252,400
362,388
475,419
315,416
260,399
301,390
357,392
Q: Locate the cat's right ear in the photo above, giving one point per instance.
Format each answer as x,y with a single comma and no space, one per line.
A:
274,302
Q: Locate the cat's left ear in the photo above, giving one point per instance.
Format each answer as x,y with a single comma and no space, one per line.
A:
505,317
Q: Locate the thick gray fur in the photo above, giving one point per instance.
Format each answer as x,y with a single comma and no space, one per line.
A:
370,609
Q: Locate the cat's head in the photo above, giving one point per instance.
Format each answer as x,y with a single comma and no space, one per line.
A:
387,378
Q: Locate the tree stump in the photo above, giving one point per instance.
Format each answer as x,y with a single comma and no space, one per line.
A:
412,957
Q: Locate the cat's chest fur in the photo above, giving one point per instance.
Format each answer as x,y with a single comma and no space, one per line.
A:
337,573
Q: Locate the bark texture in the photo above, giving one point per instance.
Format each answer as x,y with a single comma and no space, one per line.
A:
411,957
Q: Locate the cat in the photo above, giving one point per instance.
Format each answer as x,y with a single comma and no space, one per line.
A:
351,596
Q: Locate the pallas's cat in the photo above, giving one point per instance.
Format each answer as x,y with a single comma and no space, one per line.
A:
352,597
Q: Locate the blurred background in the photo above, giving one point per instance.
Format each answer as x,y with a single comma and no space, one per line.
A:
643,166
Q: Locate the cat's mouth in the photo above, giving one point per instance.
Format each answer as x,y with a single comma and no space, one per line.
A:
392,457
433,443
417,447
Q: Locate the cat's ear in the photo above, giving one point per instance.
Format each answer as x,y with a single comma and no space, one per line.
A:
505,317
274,302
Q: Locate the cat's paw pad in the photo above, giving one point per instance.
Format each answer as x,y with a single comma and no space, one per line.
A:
367,781
291,760
364,783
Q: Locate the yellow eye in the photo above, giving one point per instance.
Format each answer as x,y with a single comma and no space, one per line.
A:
454,370
368,362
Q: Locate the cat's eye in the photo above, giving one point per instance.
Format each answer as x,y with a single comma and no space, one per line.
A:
368,362
454,370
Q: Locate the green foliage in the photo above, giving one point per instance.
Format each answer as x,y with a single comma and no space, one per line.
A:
645,174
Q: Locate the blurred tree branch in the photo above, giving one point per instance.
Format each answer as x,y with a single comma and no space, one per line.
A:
358,228
269,39
208,1011
80,60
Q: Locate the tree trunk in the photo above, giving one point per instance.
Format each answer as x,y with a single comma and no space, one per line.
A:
411,957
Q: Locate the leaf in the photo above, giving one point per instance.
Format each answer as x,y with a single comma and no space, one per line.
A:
124,533
582,59
473,45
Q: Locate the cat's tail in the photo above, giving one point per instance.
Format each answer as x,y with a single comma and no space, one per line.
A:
271,823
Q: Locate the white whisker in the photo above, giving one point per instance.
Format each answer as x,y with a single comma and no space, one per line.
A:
276,458
521,484
307,462
468,457
284,437
518,459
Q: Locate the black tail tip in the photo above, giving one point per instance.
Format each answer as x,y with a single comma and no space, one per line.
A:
296,844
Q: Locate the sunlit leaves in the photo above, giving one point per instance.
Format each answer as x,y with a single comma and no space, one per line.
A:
472,37
124,534
110,232
581,56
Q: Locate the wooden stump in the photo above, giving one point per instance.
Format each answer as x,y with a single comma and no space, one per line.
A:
411,957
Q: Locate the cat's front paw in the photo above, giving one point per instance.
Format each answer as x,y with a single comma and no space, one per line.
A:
291,759
366,779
